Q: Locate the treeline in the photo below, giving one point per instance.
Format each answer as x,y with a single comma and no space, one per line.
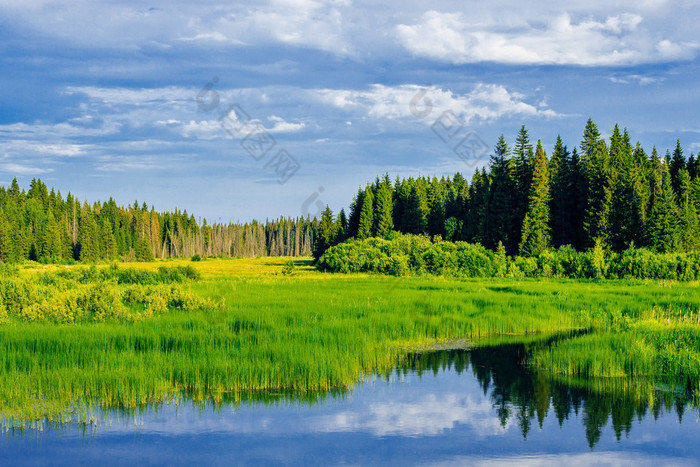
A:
607,193
42,226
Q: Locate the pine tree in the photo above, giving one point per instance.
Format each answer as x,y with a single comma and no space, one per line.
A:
536,236
366,215
383,223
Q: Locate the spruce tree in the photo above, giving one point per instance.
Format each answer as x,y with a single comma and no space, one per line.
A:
88,241
522,167
366,215
477,207
436,198
579,198
536,237
562,203
6,249
676,164
327,232
384,209
689,227
355,211
500,218
624,208
663,223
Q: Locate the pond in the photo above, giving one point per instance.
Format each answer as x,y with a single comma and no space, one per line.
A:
449,407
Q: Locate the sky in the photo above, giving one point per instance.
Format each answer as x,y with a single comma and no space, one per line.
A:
236,111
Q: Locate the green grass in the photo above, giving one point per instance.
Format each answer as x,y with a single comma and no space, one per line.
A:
265,330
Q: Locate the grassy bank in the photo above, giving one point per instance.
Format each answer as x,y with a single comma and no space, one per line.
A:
269,326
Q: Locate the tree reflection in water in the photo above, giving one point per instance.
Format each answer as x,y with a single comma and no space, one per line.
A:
525,395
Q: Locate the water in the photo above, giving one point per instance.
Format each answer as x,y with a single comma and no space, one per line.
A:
447,408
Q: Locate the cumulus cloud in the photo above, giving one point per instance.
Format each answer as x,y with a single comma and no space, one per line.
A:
614,40
483,102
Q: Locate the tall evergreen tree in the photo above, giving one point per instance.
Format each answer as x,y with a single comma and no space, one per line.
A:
562,203
355,211
436,198
364,229
500,218
327,232
88,241
663,223
536,236
624,219
677,164
522,166
689,224
475,221
596,170
384,209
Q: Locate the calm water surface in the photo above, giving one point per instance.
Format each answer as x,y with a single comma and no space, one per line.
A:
445,408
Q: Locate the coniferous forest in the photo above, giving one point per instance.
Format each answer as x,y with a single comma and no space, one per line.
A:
611,193
42,226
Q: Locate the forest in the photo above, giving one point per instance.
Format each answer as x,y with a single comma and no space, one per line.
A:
612,194
41,226
607,193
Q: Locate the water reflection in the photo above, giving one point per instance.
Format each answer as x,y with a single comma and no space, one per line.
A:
448,407
525,396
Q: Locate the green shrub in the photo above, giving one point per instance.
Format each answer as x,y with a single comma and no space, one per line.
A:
407,254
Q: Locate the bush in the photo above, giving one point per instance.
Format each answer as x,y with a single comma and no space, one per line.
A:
289,268
407,254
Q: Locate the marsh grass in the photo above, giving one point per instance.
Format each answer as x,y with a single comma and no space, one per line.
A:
266,332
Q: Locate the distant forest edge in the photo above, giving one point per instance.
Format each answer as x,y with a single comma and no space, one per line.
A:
611,196
40,225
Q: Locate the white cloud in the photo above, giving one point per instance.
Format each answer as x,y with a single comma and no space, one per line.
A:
54,131
484,102
428,416
615,40
602,33
569,459
24,147
19,169
282,126
635,79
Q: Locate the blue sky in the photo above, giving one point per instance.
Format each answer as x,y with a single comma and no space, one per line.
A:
301,102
